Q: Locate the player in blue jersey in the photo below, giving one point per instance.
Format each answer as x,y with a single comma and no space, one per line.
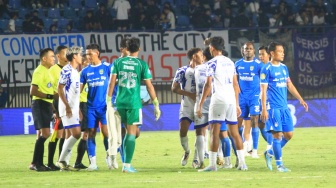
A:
275,82
184,84
248,70
96,76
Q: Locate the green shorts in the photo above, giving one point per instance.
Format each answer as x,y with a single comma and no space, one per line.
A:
130,116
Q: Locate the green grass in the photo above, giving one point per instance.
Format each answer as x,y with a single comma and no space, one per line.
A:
311,155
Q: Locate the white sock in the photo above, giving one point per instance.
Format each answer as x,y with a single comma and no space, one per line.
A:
127,165
67,158
220,151
67,147
184,143
268,147
227,160
200,147
241,156
206,144
93,160
212,158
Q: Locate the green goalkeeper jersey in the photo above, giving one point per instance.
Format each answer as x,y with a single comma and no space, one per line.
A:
130,72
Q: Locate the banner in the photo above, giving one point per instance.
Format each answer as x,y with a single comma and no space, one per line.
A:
169,120
164,52
315,60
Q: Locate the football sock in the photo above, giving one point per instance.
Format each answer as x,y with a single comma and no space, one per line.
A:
81,148
106,143
41,140
255,137
200,147
129,146
241,156
184,143
241,129
233,146
226,146
283,142
206,144
264,134
51,151
277,151
220,151
212,158
269,138
67,147
91,147
60,146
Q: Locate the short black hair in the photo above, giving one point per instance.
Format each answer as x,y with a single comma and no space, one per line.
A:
133,45
44,52
124,42
93,46
272,46
217,42
263,48
59,49
193,51
207,54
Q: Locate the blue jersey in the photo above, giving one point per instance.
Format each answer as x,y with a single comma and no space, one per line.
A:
97,78
277,77
249,77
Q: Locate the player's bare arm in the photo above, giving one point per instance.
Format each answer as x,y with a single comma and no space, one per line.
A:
264,113
35,92
237,91
64,100
112,84
205,93
176,88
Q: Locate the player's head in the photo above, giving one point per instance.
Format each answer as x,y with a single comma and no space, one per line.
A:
133,45
276,51
123,47
207,41
85,61
75,54
206,54
60,53
216,45
264,55
196,55
248,51
93,51
47,57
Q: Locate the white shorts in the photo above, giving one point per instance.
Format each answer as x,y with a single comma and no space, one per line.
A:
223,113
72,122
187,113
201,122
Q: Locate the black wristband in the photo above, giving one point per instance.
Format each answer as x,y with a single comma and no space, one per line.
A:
50,96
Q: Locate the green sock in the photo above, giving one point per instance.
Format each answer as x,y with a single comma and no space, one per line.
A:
129,146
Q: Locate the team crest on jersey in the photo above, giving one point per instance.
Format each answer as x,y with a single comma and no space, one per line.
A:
101,71
284,72
262,76
49,85
251,68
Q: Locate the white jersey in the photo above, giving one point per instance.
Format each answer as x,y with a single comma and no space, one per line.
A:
200,78
70,78
186,78
222,70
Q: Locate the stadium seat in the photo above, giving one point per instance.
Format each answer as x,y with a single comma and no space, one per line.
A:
172,3
181,2
18,25
3,24
54,13
182,22
113,12
76,4
14,4
91,4
47,23
62,23
23,12
69,13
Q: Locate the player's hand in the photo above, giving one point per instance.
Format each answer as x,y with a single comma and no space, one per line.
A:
304,104
238,111
193,96
157,111
199,111
68,111
108,100
264,116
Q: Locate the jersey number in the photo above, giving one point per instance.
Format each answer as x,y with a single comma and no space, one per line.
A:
127,79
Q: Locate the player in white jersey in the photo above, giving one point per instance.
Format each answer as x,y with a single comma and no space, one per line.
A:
224,105
69,92
184,84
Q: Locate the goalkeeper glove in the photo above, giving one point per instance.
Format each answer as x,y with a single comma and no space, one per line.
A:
108,100
157,111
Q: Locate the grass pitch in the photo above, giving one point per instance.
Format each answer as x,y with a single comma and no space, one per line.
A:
311,155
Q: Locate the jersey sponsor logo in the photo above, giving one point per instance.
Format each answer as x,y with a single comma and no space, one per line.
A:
262,76
103,77
251,68
95,84
127,67
246,78
240,67
101,71
276,80
49,85
277,73
281,84
89,74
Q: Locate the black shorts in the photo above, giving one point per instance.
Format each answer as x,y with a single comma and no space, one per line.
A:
55,103
122,23
84,122
42,114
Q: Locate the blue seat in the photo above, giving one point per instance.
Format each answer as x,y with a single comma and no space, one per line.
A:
91,4
182,22
181,2
69,13
54,13
62,23
3,24
113,12
14,4
76,4
23,12
47,23
172,3
18,25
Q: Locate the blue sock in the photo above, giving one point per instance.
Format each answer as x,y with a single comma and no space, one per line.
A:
277,151
255,137
283,142
233,146
264,134
91,147
106,143
240,129
226,147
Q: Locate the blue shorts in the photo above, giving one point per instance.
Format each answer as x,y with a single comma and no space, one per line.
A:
249,107
279,120
223,127
96,115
